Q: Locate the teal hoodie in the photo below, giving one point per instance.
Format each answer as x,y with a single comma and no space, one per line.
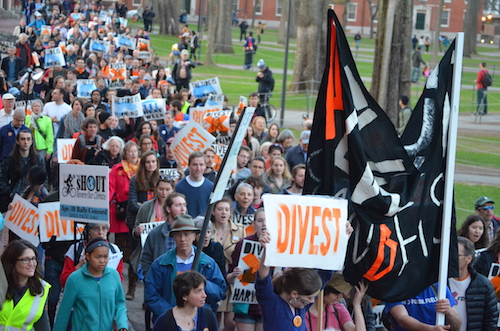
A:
96,303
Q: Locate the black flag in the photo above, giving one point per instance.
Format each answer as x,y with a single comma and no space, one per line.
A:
394,187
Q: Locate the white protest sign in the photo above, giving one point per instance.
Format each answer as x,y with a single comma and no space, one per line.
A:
22,104
244,285
46,30
306,231
378,312
123,21
143,44
203,88
215,100
84,191
148,227
143,55
171,172
130,106
54,57
220,151
153,109
245,221
191,138
118,73
84,88
126,41
230,165
65,149
243,103
99,46
197,114
22,219
51,224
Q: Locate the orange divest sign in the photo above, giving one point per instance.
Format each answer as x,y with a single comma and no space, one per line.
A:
191,138
52,225
22,219
306,231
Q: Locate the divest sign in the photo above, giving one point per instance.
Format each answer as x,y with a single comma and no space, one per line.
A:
306,231
52,225
191,138
65,149
84,192
22,219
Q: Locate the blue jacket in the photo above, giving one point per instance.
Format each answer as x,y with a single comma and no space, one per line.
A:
158,292
8,139
96,304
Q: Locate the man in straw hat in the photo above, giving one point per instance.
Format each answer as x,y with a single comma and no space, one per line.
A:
158,289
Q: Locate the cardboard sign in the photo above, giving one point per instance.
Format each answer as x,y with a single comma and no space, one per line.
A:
144,55
46,30
22,219
126,41
51,224
65,149
246,222
54,57
130,106
197,114
153,109
118,71
306,231
143,45
191,138
99,46
230,164
220,152
215,100
84,193
148,227
244,285
171,172
218,120
84,88
203,88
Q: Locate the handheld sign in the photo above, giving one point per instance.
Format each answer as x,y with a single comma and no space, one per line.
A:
244,285
130,106
191,138
148,227
143,45
46,30
52,225
171,172
153,109
203,88
118,73
22,219
126,41
54,57
306,231
230,165
144,55
218,120
84,88
99,46
84,192
65,149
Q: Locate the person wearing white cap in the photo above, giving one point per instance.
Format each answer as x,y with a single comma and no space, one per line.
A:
298,154
6,114
38,22
182,70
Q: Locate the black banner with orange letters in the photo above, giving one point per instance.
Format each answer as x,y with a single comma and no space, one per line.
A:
394,186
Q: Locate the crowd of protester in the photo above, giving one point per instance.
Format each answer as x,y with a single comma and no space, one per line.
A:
35,113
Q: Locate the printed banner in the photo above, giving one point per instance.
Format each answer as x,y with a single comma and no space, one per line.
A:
99,46
218,120
84,191
244,285
126,41
309,231
230,164
171,172
191,138
6,40
144,55
215,100
203,88
118,73
54,57
143,45
84,88
65,149
51,225
22,219
154,109
130,106
148,227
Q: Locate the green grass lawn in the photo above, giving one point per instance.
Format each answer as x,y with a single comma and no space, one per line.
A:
465,197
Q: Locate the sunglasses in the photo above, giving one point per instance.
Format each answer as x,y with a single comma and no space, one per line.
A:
488,207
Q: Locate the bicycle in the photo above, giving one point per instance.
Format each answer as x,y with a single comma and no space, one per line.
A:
270,111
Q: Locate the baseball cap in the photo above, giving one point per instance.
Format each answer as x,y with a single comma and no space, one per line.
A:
37,13
184,51
304,136
481,201
8,96
261,64
147,77
170,80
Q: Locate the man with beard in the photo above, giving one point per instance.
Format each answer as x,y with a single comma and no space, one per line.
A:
298,178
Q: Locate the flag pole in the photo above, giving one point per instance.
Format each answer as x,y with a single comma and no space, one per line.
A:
449,174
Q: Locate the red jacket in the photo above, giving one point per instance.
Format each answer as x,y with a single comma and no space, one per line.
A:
28,51
119,184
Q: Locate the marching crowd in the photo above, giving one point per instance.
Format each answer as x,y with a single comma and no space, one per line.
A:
81,284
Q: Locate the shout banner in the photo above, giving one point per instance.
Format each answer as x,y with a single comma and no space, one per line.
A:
191,138
308,231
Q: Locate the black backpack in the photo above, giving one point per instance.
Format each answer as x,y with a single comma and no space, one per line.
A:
487,79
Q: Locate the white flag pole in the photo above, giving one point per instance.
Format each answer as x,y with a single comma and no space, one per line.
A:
449,174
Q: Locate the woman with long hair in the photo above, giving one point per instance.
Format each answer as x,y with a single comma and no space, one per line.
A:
41,126
489,256
228,234
272,133
145,129
259,128
278,176
87,145
74,119
24,306
146,144
474,228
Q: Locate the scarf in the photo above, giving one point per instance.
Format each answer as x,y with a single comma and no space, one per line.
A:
34,119
129,169
72,125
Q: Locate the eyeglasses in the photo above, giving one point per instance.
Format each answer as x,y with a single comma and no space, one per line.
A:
28,260
488,207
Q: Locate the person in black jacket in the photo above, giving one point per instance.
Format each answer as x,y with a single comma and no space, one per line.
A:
11,64
148,17
484,260
473,292
265,80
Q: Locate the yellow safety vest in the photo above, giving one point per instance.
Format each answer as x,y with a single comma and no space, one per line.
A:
27,311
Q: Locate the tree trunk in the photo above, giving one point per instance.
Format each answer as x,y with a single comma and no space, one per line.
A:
211,23
391,70
168,10
373,15
294,18
470,27
254,11
437,31
283,23
311,44
223,42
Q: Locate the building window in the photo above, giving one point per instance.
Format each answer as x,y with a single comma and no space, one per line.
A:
445,18
351,11
420,21
258,7
279,7
136,2
235,5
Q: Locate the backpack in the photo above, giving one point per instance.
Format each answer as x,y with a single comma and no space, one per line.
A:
487,79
